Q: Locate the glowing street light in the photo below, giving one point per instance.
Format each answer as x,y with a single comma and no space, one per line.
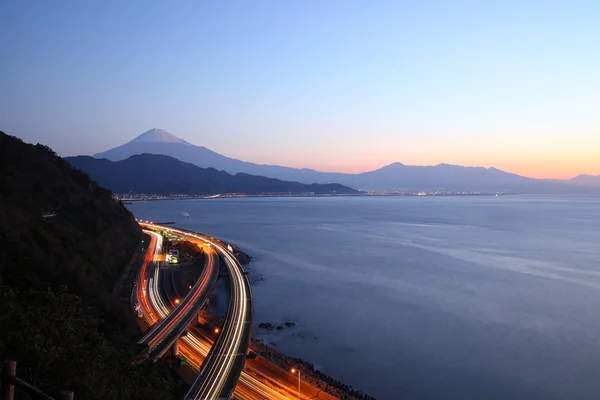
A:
217,330
176,301
293,371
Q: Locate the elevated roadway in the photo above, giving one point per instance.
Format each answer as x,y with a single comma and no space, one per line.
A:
162,336
225,361
261,380
145,274
221,369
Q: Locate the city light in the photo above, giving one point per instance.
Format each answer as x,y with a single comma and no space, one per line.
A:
293,370
155,302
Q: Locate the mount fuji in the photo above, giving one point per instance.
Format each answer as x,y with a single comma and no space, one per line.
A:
397,176
159,141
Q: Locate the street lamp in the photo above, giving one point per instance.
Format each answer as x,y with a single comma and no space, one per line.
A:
294,370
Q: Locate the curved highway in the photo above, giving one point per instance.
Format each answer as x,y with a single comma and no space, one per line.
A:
221,369
261,380
154,248
170,328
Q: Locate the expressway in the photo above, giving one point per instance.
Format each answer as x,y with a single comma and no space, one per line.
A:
154,249
225,361
162,336
221,369
260,379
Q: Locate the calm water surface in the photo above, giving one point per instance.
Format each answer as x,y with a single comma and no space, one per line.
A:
424,298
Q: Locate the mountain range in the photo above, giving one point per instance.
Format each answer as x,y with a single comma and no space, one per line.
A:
586,180
393,177
165,175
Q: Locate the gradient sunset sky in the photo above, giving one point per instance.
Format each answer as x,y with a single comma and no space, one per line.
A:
344,86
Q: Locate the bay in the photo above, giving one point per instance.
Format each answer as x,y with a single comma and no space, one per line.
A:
423,297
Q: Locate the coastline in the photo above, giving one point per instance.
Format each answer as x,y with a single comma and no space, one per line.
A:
154,197
278,257
320,380
258,346
262,353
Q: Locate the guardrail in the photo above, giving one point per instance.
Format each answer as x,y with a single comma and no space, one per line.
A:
9,382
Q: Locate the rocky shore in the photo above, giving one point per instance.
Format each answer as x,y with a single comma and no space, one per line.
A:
309,373
244,259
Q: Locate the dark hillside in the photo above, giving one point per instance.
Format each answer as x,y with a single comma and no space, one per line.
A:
63,242
91,237
158,174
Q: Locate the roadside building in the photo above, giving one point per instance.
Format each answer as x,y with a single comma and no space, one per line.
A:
173,256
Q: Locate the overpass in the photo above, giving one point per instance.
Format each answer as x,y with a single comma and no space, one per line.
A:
221,369
144,277
166,332
261,380
195,346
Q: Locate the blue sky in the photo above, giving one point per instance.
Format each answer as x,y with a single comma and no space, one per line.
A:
332,85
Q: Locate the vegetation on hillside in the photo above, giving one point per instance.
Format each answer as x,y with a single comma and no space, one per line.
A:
64,241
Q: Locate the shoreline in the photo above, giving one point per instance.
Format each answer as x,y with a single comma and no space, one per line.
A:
321,381
258,346
153,197
310,374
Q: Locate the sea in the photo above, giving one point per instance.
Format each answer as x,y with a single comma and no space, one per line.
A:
423,297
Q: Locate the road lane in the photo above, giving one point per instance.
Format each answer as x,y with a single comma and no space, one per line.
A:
261,379
223,366
143,278
166,332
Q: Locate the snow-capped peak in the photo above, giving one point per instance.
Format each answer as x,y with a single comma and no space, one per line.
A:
158,136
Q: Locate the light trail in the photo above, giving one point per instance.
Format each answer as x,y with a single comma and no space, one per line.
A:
166,332
225,361
195,349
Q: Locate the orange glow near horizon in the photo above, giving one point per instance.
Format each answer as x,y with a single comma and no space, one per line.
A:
540,166
543,170
557,157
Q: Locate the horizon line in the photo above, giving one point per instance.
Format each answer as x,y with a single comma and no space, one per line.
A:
337,171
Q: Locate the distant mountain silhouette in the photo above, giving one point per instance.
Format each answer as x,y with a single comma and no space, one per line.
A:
586,180
441,177
396,176
159,174
158,141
